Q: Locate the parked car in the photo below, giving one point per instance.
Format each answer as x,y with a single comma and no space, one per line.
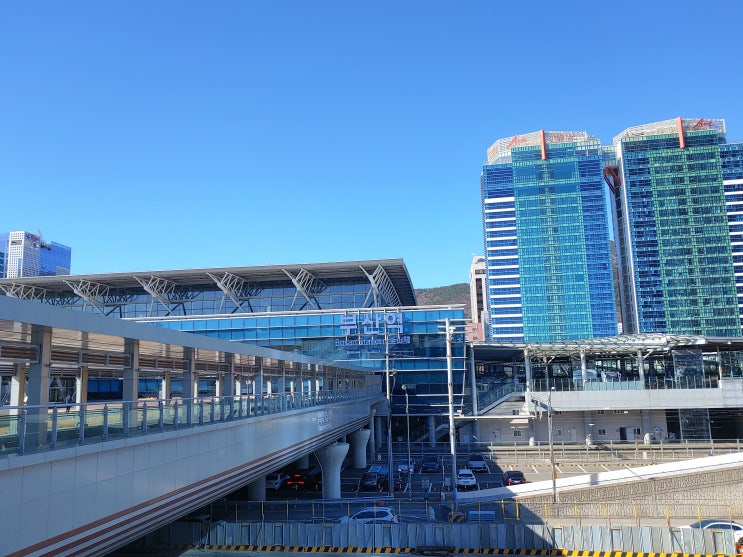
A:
372,481
371,515
305,481
466,480
276,481
476,463
717,524
402,467
430,464
513,477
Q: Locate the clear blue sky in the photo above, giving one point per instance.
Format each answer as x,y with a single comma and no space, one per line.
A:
155,135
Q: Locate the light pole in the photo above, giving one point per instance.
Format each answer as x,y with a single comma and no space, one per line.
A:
407,419
450,389
390,482
552,446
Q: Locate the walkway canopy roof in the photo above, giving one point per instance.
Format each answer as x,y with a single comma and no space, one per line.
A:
618,345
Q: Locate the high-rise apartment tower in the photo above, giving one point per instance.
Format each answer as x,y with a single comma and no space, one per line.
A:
547,241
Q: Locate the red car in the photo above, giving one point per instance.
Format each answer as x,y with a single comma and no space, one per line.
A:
513,477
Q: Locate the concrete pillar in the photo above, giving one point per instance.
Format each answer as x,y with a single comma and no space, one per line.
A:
257,490
37,387
303,462
527,372
131,374
18,385
359,439
165,386
645,415
372,436
641,367
218,385
190,383
378,431
331,459
228,382
81,385
431,422
473,382
588,428
583,372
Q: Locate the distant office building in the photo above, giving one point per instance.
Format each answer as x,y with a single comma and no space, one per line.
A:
547,240
24,254
477,299
674,253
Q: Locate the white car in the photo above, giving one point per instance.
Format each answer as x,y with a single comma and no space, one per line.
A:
276,481
716,524
371,515
466,480
476,463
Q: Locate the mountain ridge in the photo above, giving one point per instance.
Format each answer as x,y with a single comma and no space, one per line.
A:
443,295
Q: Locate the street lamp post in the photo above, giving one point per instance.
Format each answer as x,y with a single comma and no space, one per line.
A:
552,446
450,390
407,419
390,482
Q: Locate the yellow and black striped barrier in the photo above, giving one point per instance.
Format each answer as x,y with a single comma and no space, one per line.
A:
433,551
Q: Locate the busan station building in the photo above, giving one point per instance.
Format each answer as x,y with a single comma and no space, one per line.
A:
361,312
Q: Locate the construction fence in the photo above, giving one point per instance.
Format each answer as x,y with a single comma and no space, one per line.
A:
513,536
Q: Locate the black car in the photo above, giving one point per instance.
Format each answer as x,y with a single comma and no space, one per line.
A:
513,477
305,481
430,464
371,481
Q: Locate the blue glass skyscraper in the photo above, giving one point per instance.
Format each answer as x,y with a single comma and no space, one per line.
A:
675,256
547,242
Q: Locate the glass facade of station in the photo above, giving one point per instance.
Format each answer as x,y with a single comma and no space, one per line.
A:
678,242
548,251
362,313
410,342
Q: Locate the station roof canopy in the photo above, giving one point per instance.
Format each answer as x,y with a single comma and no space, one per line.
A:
394,269
617,345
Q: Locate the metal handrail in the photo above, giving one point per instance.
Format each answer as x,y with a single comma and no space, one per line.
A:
37,428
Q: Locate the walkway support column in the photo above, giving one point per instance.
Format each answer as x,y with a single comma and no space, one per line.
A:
372,436
18,385
257,490
641,367
37,390
431,420
81,385
131,374
378,431
527,372
331,459
475,407
359,440
190,382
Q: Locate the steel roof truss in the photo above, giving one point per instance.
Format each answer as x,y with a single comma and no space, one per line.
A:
24,291
307,285
238,289
381,288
